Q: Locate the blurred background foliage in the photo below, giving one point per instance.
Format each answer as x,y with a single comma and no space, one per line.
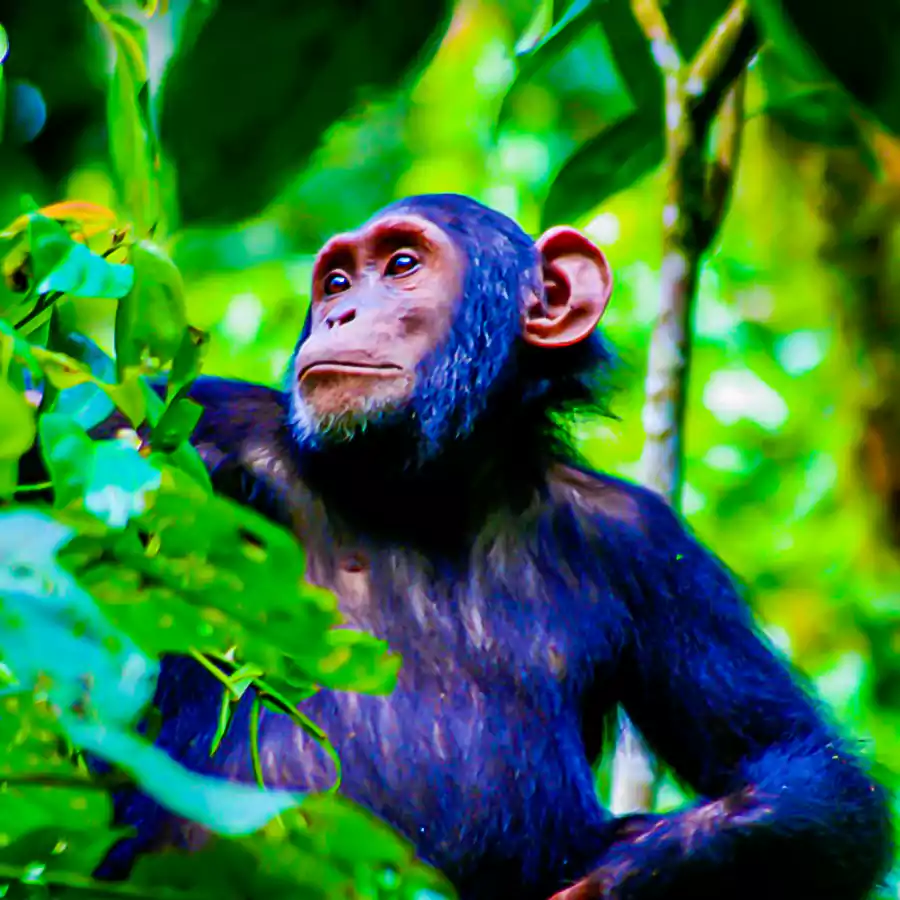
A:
283,123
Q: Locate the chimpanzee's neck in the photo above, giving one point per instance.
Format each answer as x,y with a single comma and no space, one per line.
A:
371,487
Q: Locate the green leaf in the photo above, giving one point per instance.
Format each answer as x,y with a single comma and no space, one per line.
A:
816,112
226,807
328,848
152,316
560,36
86,403
187,363
61,264
111,479
52,634
64,372
17,426
855,45
611,162
247,101
130,134
633,58
176,424
58,828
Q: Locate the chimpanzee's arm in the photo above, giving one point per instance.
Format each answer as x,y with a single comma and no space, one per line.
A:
788,810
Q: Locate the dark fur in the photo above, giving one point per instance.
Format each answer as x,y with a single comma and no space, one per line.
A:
527,596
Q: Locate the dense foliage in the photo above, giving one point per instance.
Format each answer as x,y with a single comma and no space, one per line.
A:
185,158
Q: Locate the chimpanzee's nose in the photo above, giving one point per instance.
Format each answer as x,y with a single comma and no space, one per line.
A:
340,316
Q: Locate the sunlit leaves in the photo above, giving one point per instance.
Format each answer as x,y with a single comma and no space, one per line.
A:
86,219
58,263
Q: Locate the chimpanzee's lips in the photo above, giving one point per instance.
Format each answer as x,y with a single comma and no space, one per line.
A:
329,367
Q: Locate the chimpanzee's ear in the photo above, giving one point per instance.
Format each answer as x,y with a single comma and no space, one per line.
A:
577,285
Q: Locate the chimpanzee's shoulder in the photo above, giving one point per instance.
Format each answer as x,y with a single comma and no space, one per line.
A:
605,497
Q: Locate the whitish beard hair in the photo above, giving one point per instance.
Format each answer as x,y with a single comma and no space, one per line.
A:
311,428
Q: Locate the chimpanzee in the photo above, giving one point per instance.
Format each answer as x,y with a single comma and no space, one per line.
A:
420,453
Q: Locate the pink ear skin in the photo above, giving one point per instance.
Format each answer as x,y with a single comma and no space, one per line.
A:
577,287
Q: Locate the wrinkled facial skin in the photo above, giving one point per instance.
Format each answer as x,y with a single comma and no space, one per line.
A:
382,299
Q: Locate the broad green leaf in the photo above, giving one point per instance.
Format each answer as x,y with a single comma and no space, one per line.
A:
86,403
61,264
111,479
65,447
816,112
52,633
17,426
131,138
241,115
152,316
611,162
856,45
227,807
563,32
64,372
176,424
631,53
187,362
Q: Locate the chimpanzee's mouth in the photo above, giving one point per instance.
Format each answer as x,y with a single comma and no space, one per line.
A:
328,367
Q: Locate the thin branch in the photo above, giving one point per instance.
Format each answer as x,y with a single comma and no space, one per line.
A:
725,155
653,23
721,60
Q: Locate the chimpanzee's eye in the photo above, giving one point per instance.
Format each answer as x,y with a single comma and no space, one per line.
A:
335,282
401,263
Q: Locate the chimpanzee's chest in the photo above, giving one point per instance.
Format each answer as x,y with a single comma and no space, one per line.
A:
480,745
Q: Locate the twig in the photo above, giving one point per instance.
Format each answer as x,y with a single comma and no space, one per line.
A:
653,23
725,154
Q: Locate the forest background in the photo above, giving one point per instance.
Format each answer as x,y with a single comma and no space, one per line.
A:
172,163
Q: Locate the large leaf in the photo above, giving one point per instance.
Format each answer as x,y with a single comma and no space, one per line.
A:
247,101
152,316
817,112
856,43
611,162
111,479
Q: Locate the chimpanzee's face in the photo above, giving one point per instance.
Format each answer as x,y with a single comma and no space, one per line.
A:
383,298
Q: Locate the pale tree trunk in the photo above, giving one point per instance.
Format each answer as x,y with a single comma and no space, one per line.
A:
707,90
